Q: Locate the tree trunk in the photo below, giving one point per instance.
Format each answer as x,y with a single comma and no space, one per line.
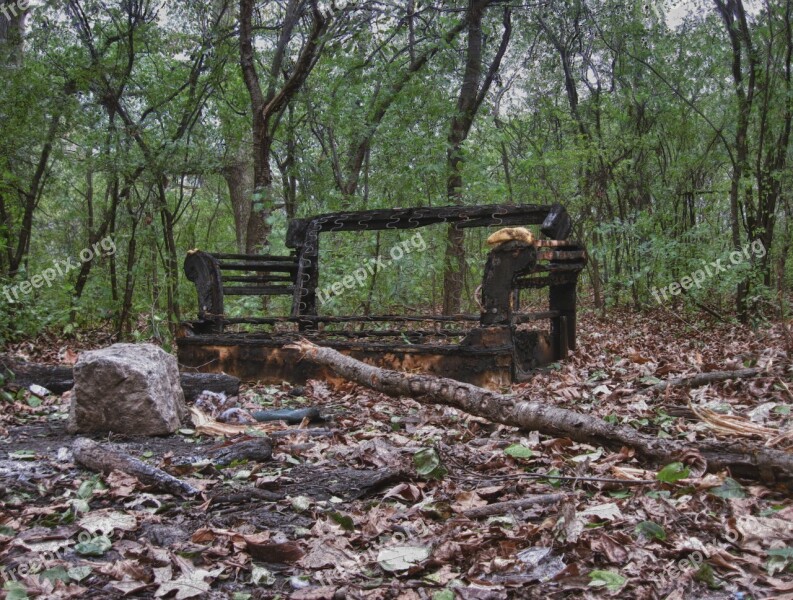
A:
268,107
238,175
750,461
472,93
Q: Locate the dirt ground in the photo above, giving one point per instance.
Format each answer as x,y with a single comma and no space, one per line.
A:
379,505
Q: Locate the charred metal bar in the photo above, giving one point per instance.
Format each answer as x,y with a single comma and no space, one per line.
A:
412,218
265,290
557,225
352,319
254,257
289,267
257,278
203,270
562,298
504,264
494,353
519,318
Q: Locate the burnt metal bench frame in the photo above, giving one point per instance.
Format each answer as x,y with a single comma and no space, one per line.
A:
554,263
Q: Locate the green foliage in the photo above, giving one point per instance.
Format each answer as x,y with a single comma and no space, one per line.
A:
652,530
141,120
673,472
428,464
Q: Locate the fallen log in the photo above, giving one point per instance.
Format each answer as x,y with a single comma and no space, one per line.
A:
104,459
58,379
220,383
258,449
741,459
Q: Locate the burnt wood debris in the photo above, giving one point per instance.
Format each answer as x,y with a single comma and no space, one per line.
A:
490,349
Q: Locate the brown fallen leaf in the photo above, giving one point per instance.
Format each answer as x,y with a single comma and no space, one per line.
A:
192,582
326,553
615,552
286,552
467,500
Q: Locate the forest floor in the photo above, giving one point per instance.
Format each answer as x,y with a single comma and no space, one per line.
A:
377,510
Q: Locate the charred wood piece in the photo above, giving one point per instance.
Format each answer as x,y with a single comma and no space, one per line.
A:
495,352
59,379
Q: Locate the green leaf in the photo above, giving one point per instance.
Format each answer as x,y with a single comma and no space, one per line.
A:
86,489
786,553
659,494
79,573
706,575
729,489
620,494
779,559
15,591
34,401
518,451
428,464
345,521
608,579
95,547
649,529
55,574
443,595
673,472
553,481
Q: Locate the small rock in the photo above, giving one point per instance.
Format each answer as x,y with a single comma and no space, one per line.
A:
39,391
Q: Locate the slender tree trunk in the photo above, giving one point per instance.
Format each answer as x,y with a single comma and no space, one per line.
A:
125,316
268,106
472,93
238,175
171,258
733,15
31,197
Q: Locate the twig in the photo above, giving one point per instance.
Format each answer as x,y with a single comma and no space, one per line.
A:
703,379
500,508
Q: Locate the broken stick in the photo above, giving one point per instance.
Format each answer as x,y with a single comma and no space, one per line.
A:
742,459
103,459
701,379
500,508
